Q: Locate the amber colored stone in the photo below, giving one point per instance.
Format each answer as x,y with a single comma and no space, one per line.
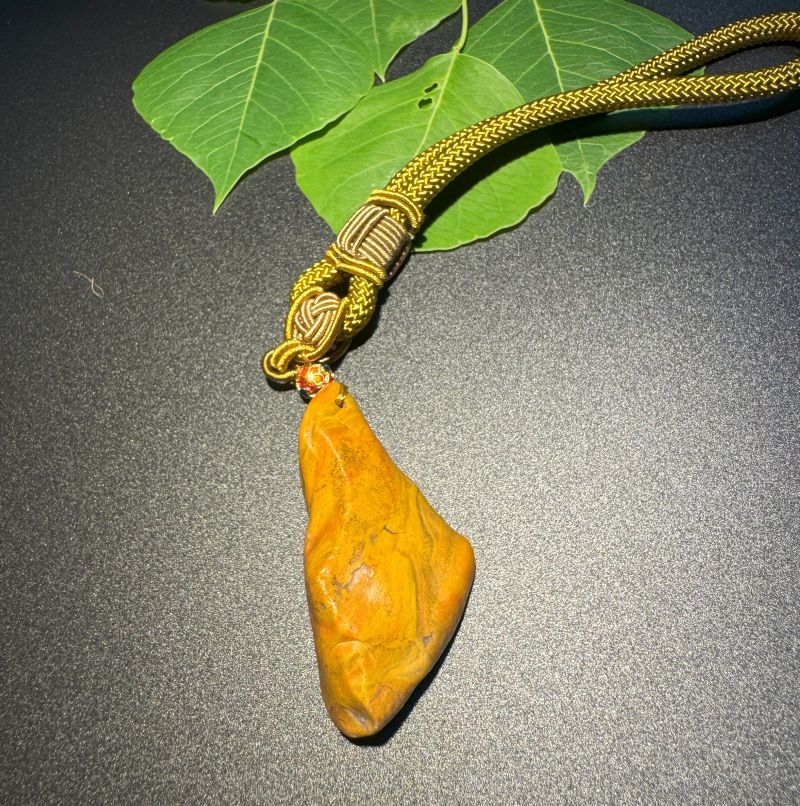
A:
387,579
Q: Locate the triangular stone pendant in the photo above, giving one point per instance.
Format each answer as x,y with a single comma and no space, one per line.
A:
387,579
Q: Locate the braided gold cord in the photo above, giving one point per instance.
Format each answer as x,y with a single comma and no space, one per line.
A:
655,82
651,83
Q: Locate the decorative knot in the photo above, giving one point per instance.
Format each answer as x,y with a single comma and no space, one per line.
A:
374,239
370,248
315,317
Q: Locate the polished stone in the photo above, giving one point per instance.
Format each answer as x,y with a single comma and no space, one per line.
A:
387,579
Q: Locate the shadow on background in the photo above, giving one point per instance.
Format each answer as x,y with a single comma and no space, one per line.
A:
683,117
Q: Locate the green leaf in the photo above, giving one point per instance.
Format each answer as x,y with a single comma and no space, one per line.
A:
386,26
234,93
548,46
395,121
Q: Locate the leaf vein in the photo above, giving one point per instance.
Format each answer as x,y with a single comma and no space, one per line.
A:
259,62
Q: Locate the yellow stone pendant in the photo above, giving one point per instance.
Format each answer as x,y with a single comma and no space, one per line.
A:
387,579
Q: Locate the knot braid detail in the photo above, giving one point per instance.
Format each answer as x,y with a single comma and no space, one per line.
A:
377,239
370,248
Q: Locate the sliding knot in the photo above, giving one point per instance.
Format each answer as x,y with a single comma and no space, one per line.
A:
399,202
375,234
370,248
356,267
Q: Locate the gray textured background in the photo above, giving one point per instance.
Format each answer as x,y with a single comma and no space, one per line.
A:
616,431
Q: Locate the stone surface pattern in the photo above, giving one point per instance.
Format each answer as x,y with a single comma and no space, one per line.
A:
387,579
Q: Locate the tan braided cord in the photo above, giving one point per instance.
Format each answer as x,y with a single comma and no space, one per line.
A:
377,239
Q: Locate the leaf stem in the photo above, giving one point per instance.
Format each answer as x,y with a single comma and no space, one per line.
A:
462,40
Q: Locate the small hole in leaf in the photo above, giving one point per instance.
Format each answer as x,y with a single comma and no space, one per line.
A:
423,102
432,87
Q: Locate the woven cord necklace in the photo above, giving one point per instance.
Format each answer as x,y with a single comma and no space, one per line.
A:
386,578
